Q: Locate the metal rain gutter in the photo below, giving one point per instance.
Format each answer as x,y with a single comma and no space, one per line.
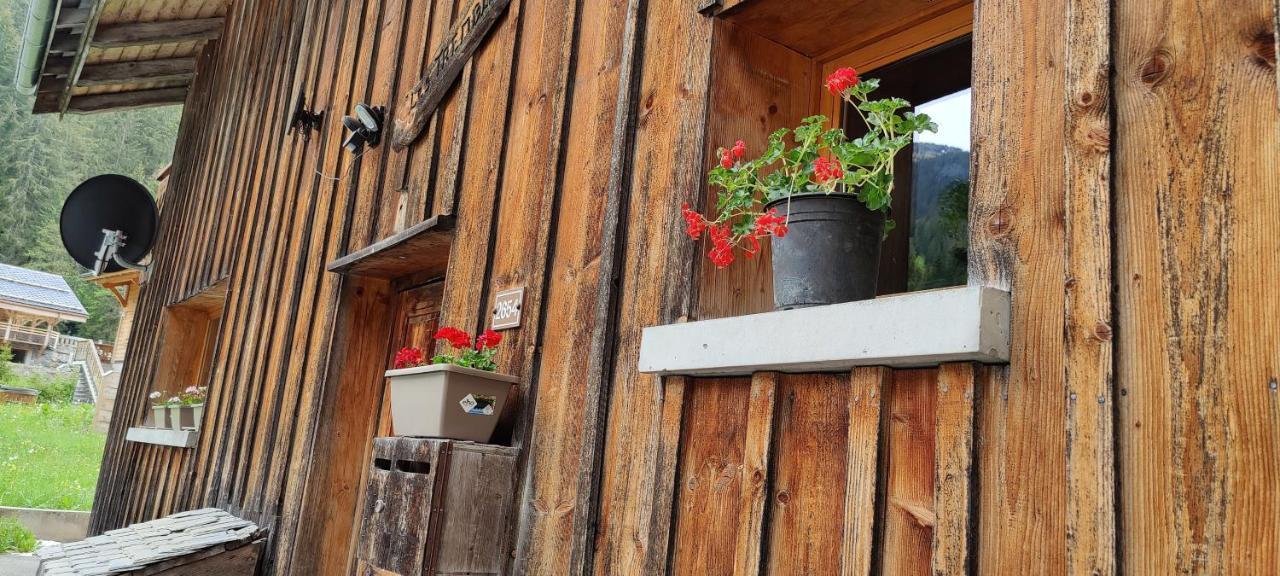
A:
35,44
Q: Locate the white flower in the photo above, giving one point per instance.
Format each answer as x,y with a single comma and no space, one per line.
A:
154,395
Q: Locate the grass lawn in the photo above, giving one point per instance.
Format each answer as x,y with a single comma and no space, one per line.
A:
49,456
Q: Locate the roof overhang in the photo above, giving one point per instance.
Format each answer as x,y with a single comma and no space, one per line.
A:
56,315
114,54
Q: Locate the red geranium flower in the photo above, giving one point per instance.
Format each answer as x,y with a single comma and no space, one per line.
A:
825,170
456,337
408,358
726,158
841,80
721,246
770,224
739,149
697,224
488,339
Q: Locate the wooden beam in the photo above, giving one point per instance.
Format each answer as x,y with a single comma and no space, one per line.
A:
171,69
46,103
65,42
57,66
73,17
120,100
147,33
79,55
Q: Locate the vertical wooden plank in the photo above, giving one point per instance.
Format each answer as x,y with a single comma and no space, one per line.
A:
349,411
807,496
392,215
575,313
862,468
953,468
531,171
670,110
1038,213
674,393
710,484
1197,201
909,515
755,474
607,61
1091,505
276,252
478,189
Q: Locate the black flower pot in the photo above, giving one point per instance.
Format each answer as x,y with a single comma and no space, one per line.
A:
831,252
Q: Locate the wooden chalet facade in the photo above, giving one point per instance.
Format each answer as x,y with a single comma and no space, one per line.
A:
1124,190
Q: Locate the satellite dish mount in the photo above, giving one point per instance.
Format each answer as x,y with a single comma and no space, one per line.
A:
112,242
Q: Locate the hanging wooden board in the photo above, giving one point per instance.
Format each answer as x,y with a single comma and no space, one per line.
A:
446,65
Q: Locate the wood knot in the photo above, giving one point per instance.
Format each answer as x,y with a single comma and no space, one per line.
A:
1102,332
1263,47
1000,223
784,497
1085,98
1098,140
773,109
1157,68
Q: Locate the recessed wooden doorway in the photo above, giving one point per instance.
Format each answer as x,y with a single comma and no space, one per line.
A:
417,317
376,318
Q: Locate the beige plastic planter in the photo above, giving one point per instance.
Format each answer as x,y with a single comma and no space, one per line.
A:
447,401
189,417
159,417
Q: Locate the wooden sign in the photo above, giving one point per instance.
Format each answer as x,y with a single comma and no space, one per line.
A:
506,309
419,103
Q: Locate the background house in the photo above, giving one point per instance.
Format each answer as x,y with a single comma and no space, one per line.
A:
32,303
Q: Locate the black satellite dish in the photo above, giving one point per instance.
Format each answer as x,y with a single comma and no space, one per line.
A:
109,223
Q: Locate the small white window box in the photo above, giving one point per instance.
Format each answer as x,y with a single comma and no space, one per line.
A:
916,329
163,436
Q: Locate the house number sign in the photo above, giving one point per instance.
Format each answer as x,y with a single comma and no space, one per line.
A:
506,308
446,65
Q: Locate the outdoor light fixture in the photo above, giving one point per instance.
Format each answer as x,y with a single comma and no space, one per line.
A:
304,120
365,127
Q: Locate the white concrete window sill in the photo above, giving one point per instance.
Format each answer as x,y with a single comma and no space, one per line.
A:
163,436
917,329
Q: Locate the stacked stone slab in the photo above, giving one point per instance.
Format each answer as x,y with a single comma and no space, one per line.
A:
140,545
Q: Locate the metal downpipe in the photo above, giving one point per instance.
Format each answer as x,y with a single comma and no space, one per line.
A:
35,44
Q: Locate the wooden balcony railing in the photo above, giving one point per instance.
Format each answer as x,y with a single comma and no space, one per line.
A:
18,334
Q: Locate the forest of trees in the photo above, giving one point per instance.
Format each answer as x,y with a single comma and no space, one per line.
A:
43,158
939,217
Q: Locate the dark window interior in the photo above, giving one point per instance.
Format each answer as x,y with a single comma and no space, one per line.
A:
929,247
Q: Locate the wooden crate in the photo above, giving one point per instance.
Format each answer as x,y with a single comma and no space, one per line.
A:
436,507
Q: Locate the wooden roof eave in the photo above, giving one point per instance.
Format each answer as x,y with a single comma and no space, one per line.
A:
78,31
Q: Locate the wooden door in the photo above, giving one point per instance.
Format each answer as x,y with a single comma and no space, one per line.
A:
417,317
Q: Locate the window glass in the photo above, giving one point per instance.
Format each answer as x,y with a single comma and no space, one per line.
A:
940,196
929,246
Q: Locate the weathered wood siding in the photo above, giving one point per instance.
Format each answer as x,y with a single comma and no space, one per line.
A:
1125,190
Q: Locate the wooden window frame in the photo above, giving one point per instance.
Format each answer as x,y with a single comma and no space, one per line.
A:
891,48
189,335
